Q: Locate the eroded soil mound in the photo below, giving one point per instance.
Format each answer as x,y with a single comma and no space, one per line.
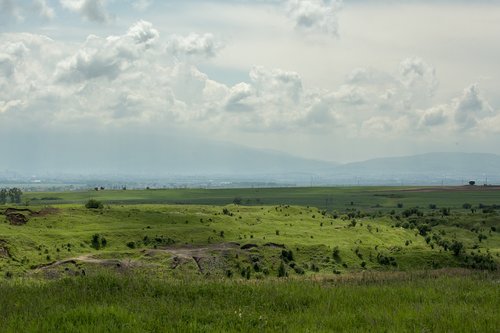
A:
16,218
20,216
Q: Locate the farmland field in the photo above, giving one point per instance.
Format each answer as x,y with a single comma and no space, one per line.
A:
285,259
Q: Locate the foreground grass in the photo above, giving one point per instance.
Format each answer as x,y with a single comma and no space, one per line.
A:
112,303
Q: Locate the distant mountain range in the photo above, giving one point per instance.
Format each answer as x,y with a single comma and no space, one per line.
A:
170,157
431,168
156,157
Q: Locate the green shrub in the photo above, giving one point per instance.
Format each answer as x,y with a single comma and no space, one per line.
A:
286,255
299,270
456,247
94,204
98,242
336,253
282,270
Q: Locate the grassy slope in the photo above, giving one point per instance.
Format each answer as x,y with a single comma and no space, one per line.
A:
75,225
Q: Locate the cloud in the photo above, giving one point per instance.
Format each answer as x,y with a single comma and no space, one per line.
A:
283,87
238,98
435,116
315,16
16,10
142,4
143,33
471,107
7,65
10,9
415,73
43,9
320,113
466,113
194,45
129,79
107,57
350,95
92,10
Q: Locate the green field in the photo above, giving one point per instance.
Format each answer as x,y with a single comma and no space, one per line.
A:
329,198
293,256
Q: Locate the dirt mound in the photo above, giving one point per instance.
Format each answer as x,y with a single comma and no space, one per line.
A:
20,216
16,218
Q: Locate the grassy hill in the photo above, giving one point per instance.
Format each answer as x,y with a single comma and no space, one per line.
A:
354,229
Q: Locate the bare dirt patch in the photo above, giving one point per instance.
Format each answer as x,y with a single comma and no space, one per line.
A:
208,258
46,211
88,258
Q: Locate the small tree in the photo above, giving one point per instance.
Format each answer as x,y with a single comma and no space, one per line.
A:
3,196
15,195
472,183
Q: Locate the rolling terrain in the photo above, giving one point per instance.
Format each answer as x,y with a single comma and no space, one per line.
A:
251,232
279,259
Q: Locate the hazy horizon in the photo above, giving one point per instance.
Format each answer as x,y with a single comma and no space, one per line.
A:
322,80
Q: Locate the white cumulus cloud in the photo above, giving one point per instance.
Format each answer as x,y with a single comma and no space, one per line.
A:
315,16
107,57
92,10
194,45
43,9
142,4
471,107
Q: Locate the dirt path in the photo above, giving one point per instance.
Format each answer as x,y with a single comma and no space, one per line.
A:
88,258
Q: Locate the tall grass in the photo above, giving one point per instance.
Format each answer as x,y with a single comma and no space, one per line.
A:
112,303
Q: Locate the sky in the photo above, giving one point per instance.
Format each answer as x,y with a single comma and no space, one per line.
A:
328,80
